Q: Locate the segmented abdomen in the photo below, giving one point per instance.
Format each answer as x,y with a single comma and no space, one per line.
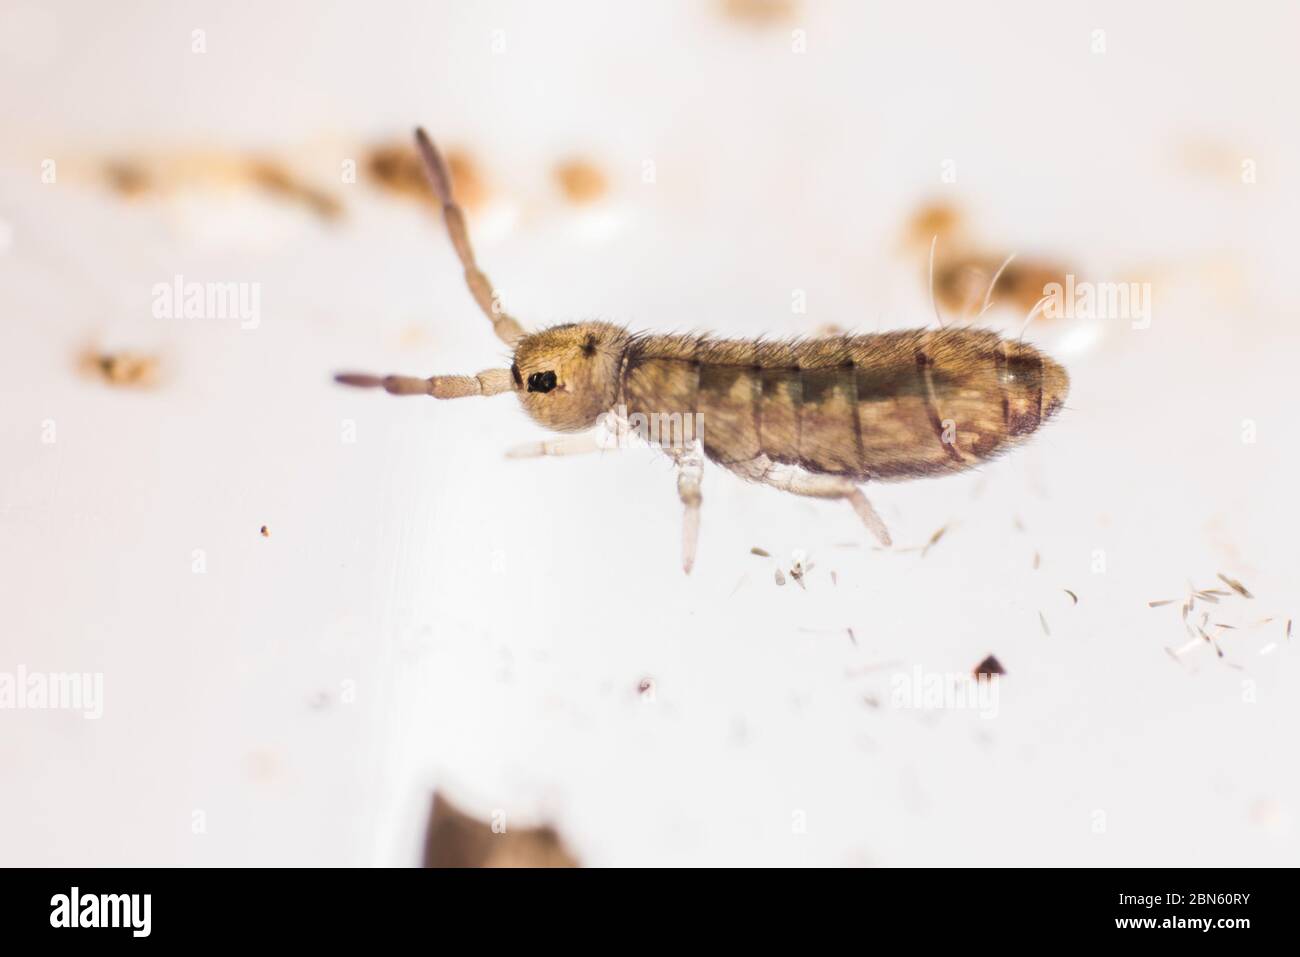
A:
886,406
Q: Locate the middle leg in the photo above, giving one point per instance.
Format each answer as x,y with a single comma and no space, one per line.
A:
690,472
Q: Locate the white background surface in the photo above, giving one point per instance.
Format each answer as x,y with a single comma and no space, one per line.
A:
495,618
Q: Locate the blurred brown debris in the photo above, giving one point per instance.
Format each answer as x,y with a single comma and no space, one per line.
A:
457,839
397,168
276,179
759,13
134,177
127,177
580,180
963,268
120,368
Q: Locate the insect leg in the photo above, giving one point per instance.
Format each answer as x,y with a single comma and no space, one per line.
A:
612,432
690,471
487,382
565,445
506,327
829,486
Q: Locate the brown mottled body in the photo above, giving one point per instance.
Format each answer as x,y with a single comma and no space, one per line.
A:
893,405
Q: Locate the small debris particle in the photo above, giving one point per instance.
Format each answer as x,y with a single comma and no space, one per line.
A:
780,578
852,637
988,668
1288,629
760,552
934,540
1043,621
835,579
266,532
1163,601
1219,624
1235,585
1037,560
580,180
122,368
645,686
798,569
1207,596
1073,597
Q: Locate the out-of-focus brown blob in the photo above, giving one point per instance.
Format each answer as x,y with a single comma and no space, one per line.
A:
581,181
961,283
127,177
934,219
1214,160
759,12
455,839
963,267
121,368
397,168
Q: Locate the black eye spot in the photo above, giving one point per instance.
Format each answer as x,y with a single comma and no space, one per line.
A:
541,382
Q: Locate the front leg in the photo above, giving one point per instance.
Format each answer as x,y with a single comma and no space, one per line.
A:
564,445
611,432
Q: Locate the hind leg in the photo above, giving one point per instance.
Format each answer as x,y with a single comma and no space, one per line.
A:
790,478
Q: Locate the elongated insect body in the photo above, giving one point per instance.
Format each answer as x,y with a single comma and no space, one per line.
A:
894,405
815,417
